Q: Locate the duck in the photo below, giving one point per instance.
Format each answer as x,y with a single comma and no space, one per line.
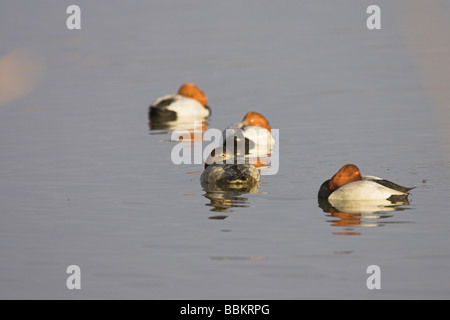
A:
223,168
256,131
349,184
190,102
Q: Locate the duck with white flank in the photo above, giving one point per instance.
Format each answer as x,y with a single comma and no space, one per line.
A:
188,103
349,184
257,132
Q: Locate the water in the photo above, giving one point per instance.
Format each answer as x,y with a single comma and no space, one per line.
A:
85,181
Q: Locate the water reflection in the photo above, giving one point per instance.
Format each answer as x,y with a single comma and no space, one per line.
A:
223,198
195,128
350,214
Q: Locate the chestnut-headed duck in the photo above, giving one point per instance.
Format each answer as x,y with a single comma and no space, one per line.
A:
257,132
349,184
188,103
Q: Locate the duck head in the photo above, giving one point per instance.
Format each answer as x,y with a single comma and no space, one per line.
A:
190,90
254,118
348,173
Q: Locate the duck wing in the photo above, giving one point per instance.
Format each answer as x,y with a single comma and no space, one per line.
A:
390,184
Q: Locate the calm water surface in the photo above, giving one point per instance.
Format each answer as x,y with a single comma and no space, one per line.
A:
85,180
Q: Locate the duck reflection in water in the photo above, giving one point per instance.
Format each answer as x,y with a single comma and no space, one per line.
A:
158,126
195,129
364,213
224,198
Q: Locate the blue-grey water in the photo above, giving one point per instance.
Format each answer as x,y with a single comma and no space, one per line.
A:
85,181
